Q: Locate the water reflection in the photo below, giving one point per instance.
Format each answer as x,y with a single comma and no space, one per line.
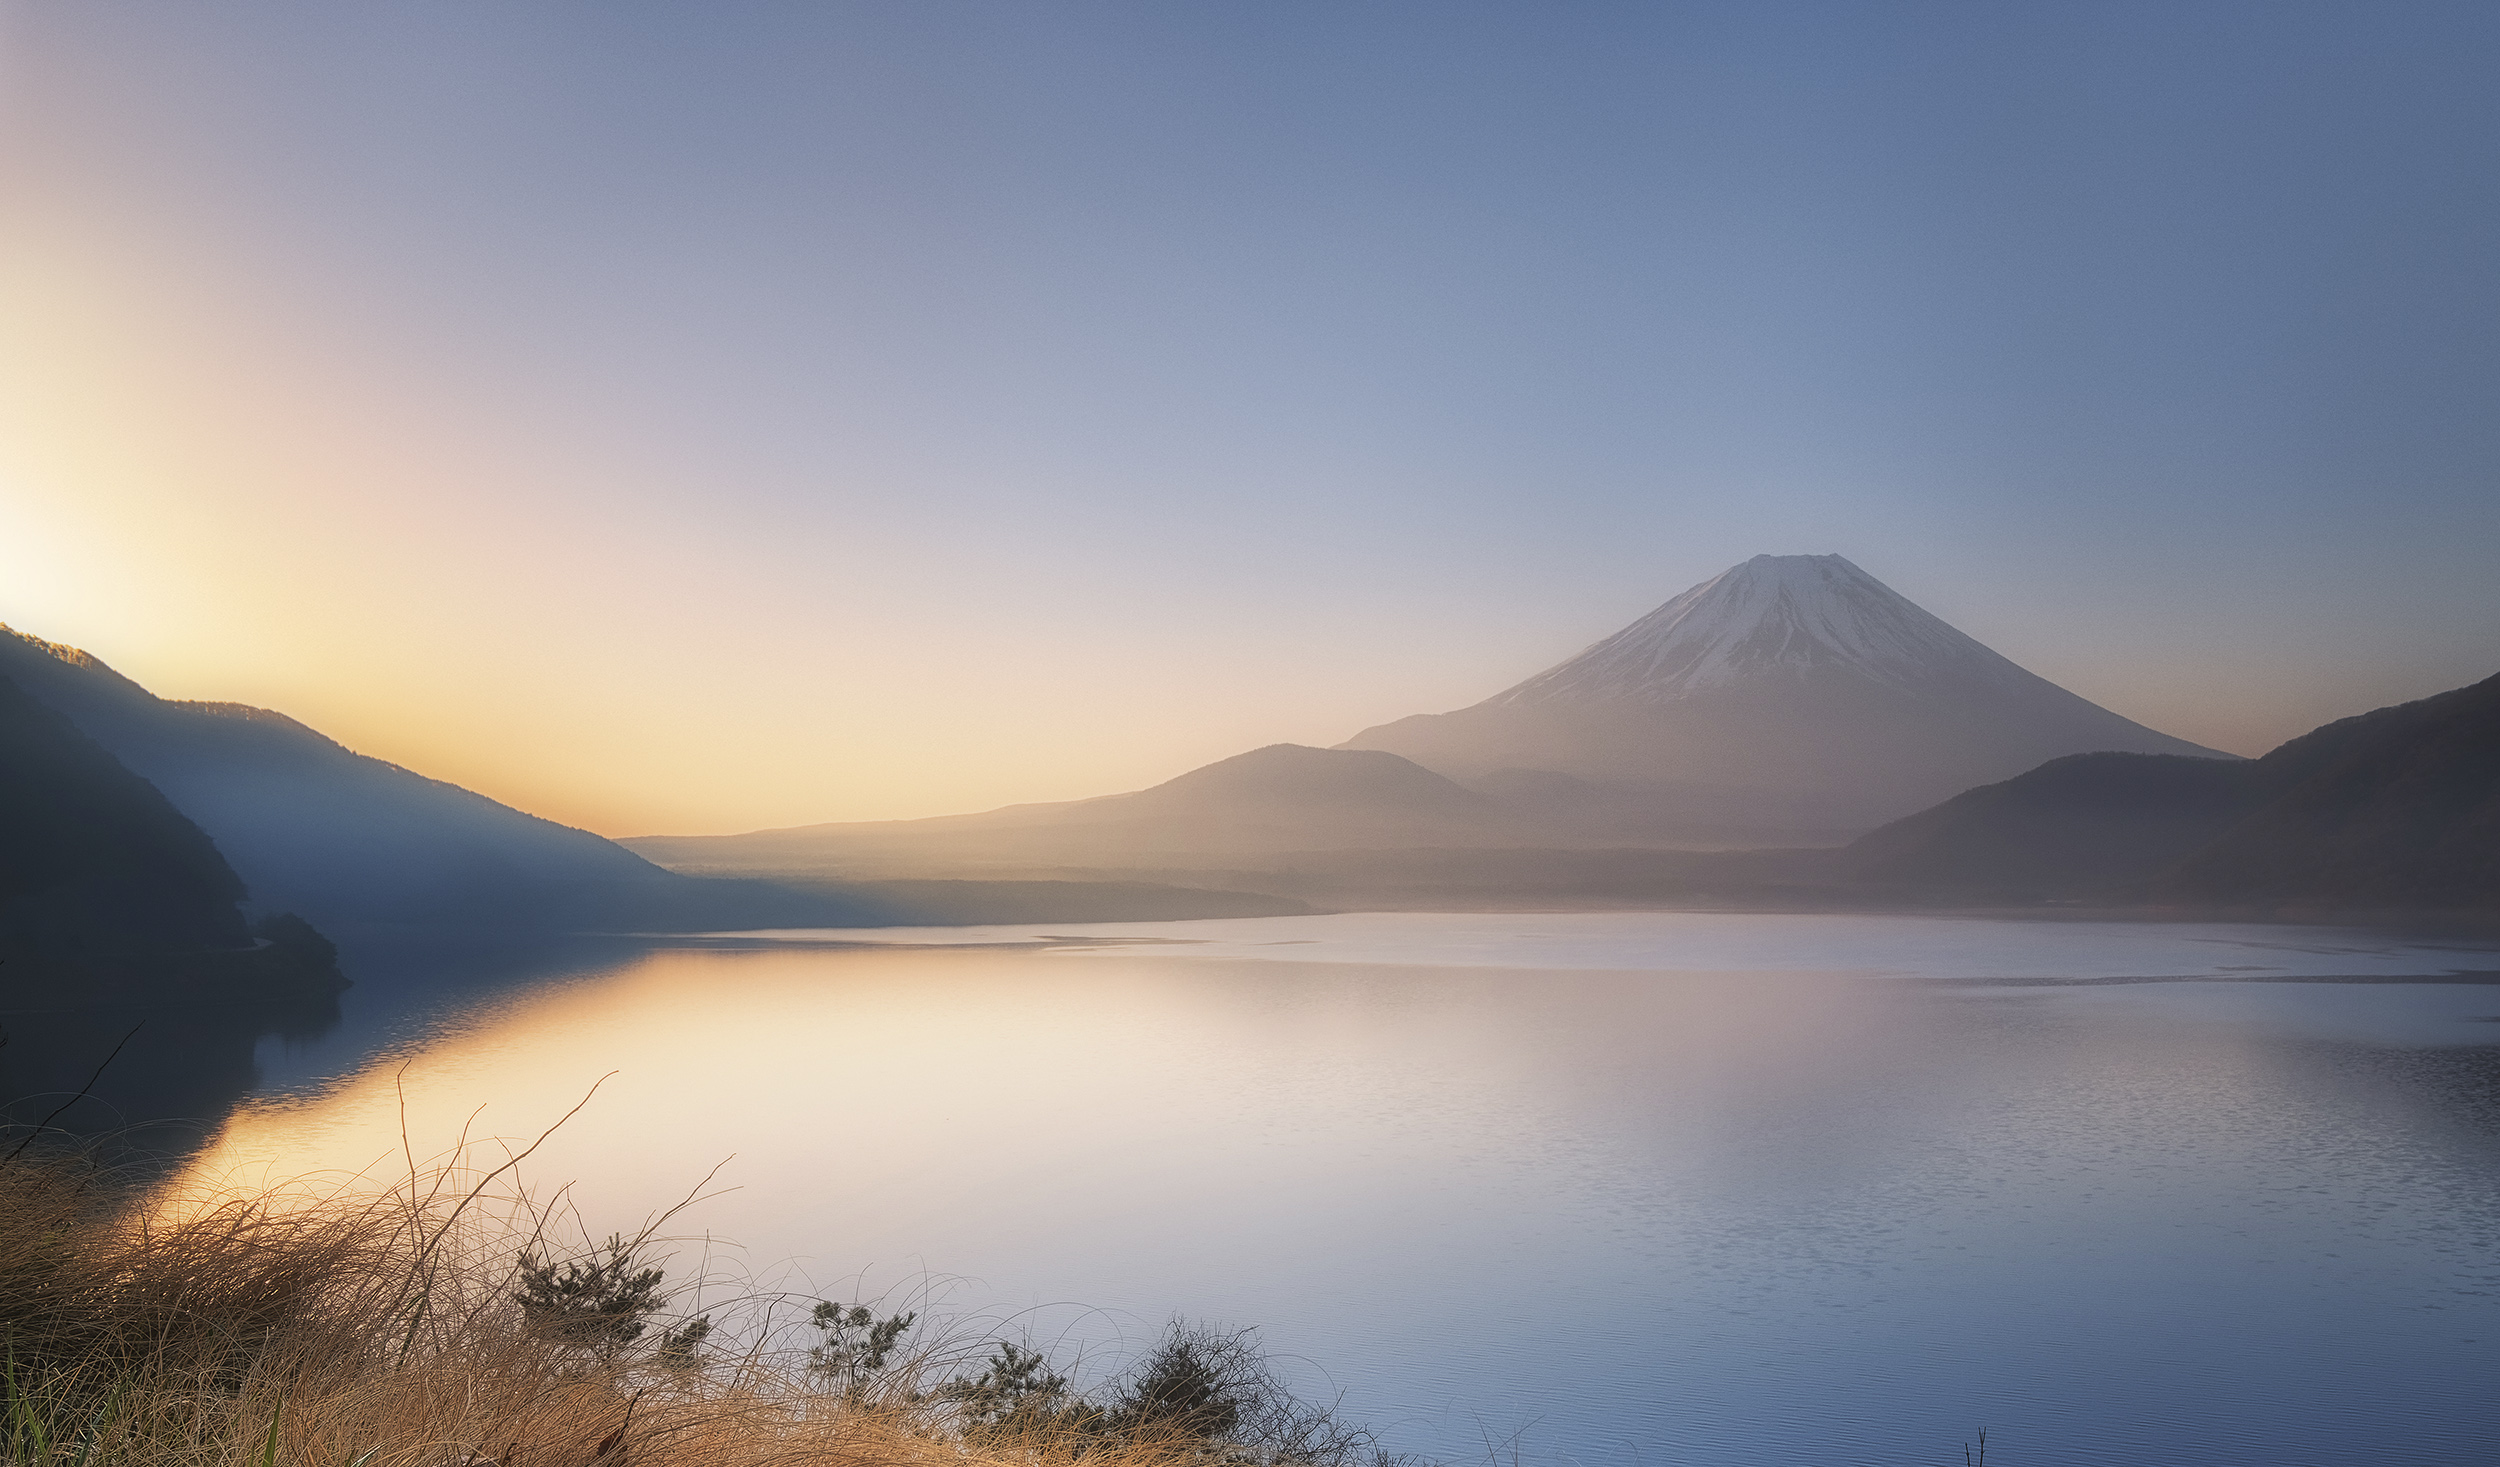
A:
1784,1213
173,1072
146,1085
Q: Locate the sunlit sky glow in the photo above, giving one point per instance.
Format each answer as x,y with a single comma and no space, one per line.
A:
700,417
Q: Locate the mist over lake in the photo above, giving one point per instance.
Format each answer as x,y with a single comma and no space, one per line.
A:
1635,1188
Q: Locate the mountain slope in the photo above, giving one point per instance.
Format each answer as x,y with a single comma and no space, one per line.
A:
348,840
2084,825
1788,697
1284,797
108,895
2398,808
91,855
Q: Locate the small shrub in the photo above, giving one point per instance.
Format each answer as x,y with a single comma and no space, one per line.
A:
600,1303
1218,1390
1019,1394
857,1345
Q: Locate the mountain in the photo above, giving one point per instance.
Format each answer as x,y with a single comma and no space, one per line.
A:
113,904
1284,797
108,892
91,855
347,840
2082,826
2393,809
1790,698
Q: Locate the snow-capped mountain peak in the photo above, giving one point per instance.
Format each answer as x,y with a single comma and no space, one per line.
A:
1775,618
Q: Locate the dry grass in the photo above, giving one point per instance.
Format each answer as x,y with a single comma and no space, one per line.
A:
366,1327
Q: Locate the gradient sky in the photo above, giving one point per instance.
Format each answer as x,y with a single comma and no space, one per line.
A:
682,418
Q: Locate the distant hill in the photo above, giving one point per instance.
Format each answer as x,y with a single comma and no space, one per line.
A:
1356,791
2394,809
1284,797
1790,699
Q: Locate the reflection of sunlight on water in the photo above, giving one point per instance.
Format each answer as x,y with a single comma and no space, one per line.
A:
1779,1213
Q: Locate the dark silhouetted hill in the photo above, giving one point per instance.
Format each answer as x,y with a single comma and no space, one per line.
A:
2085,823
351,841
108,893
315,828
94,857
2395,808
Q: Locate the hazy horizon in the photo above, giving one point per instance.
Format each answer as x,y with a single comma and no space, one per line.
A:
675,421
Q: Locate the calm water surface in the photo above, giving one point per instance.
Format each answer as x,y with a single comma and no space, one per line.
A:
1624,1189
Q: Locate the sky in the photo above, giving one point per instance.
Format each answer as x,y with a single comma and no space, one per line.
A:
694,418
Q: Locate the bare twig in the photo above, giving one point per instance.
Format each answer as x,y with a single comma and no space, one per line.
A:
83,1091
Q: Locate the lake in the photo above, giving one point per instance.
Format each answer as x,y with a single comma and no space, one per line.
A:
1601,1188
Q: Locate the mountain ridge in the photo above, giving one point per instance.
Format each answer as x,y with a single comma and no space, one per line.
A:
362,845
2396,808
95,854
1276,797
109,894
352,841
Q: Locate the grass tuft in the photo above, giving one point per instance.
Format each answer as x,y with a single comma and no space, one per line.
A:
430,1324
